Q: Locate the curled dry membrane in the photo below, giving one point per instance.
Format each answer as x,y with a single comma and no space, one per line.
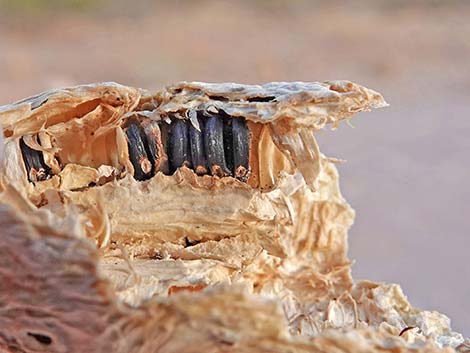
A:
104,248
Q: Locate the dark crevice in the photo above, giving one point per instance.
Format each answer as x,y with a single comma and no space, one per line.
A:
218,98
261,99
38,104
36,168
228,145
43,339
188,243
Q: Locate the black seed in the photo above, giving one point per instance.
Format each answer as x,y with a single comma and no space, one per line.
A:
196,142
214,146
137,153
241,148
178,148
36,168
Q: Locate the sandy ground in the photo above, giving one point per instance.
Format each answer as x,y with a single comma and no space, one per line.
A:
408,167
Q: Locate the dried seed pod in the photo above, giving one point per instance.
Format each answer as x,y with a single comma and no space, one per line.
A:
188,262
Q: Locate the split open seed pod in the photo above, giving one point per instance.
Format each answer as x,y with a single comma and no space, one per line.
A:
200,218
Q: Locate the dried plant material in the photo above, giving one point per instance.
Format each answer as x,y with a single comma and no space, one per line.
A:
200,218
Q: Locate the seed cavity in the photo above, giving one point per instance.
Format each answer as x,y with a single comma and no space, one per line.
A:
209,143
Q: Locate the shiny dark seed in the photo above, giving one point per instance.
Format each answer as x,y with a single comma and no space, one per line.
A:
241,148
137,153
178,149
196,142
214,146
34,162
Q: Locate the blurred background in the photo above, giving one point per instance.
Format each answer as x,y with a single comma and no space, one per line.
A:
408,169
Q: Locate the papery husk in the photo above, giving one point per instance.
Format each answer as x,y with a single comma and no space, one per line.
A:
191,264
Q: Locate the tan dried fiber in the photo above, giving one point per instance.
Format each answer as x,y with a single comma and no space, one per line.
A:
92,260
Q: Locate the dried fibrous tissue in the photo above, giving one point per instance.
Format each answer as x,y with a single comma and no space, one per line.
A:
200,218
